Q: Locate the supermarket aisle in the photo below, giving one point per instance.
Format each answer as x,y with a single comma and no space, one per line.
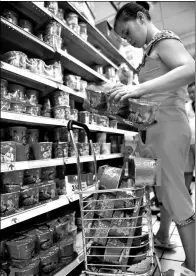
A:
174,258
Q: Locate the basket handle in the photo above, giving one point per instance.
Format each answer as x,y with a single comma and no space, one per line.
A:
71,123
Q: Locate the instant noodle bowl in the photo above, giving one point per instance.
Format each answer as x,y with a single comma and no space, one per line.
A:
22,247
22,152
106,148
9,203
16,58
8,152
83,85
89,179
75,134
4,89
61,186
18,107
98,69
49,260
110,72
83,28
74,114
103,121
71,150
31,269
48,174
61,134
32,135
61,14
17,134
11,16
60,229
5,104
52,6
66,249
46,104
101,137
60,98
83,149
61,112
42,150
44,237
33,110
93,118
26,25
32,176
84,117
113,124
97,148
46,113
54,41
32,96
72,18
47,191
60,149
82,136
29,196
73,82
53,28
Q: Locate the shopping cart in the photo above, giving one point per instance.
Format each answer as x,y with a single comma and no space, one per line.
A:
116,221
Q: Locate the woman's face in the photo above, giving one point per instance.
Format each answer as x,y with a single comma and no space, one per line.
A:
134,31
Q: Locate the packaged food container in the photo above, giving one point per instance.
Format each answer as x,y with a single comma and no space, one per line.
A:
48,174
61,112
61,186
45,136
110,72
73,82
101,137
47,191
54,41
74,114
57,71
61,14
53,28
46,104
16,58
71,150
8,152
49,260
114,148
36,66
82,136
4,88
34,110
29,197
83,28
98,69
103,121
26,25
60,98
83,85
93,118
113,124
9,203
18,107
46,113
10,16
32,176
44,237
89,179
52,6
31,269
42,150
97,148
60,149
84,117
72,18
83,149
75,28
66,249
22,152
32,135
70,215
97,99
5,104
32,96
75,135
60,229
40,35
61,134
106,148
18,134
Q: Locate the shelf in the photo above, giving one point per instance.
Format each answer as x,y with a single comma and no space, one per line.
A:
38,210
79,248
28,79
26,119
77,47
26,165
98,39
36,47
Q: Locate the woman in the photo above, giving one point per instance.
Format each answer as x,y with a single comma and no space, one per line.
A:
165,71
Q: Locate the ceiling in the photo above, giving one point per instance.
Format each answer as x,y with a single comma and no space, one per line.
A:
178,17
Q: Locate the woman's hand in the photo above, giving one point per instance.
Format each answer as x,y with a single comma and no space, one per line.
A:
123,93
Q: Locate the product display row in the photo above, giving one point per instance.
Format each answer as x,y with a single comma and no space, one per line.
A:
41,248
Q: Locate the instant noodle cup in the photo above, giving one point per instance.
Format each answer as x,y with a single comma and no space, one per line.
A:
60,98
42,150
5,104
8,152
60,149
18,107
34,110
32,96
9,203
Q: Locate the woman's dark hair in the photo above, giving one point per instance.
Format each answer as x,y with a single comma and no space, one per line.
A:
130,10
191,85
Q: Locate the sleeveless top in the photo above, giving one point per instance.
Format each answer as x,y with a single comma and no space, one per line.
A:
172,102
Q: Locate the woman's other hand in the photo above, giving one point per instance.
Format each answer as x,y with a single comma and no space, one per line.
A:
123,93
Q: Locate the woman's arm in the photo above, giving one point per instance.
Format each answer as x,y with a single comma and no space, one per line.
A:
177,59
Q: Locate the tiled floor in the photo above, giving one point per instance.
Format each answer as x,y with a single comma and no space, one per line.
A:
174,258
